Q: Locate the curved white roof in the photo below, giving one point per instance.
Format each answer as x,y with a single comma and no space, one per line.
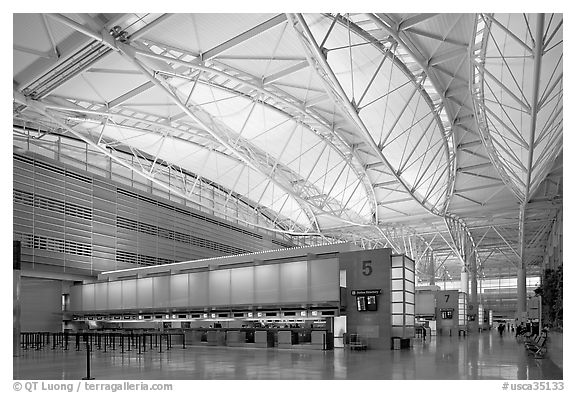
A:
413,131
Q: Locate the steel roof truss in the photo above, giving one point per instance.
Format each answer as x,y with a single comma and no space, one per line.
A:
414,20
508,32
285,72
324,132
436,37
243,37
549,39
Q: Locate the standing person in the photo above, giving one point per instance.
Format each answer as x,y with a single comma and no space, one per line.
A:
424,333
500,329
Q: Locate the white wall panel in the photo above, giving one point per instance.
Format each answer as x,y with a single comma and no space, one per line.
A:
198,289
242,291
179,290
145,291
88,297
219,287
115,295
129,297
267,284
162,291
101,294
324,280
294,282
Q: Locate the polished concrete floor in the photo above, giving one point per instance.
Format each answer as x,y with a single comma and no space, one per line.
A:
484,356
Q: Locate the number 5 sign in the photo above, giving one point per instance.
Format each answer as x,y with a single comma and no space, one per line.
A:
366,268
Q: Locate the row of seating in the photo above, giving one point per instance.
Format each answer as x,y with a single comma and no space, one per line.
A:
536,344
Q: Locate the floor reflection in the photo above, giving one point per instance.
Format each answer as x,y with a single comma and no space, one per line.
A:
481,356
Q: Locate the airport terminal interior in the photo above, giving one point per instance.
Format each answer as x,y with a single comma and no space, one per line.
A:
322,196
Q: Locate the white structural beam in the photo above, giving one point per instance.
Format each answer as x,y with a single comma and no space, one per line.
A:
239,39
130,53
538,53
319,63
538,37
398,32
219,132
131,94
285,72
221,75
414,20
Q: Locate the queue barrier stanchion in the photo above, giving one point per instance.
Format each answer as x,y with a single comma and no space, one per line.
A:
88,345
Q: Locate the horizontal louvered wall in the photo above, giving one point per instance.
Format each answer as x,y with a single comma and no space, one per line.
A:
76,222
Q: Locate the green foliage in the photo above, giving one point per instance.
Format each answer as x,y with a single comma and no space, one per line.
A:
551,291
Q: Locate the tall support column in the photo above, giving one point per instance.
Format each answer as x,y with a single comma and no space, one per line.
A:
473,294
431,267
521,274
464,280
521,292
538,53
16,298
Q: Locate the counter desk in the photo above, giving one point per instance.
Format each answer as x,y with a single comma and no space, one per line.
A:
261,337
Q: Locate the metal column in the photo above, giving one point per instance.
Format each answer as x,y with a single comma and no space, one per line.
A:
16,298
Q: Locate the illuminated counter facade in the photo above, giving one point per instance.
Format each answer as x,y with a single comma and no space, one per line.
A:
285,286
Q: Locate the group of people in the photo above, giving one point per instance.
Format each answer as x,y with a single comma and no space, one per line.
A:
519,329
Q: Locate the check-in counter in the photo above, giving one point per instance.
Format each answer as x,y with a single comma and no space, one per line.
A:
287,338
193,337
321,339
263,338
216,337
260,338
235,338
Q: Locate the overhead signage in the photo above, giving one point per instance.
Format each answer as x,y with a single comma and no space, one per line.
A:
366,292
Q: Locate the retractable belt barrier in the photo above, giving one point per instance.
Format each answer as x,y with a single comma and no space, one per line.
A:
34,340
124,341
